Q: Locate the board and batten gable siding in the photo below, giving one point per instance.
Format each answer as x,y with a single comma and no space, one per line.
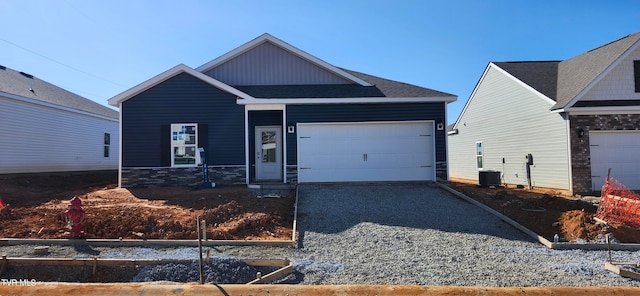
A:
618,83
362,113
38,138
511,121
267,64
181,99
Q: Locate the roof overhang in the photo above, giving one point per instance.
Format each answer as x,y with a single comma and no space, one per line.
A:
599,110
54,106
181,68
269,38
366,100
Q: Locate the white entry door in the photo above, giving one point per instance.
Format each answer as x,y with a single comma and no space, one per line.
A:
268,153
617,150
366,151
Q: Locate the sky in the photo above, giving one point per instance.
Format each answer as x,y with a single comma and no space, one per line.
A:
99,49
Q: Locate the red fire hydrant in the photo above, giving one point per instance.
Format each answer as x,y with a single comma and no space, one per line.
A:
74,216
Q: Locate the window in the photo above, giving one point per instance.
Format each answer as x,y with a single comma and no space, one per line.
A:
636,74
184,144
479,155
107,144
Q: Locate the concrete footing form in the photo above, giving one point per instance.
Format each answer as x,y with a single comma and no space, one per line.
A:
45,289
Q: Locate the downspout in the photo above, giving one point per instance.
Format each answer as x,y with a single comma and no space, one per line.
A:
284,144
569,159
120,143
246,144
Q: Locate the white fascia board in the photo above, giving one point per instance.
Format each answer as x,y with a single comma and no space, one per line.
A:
299,101
601,110
54,106
602,75
181,68
266,106
267,37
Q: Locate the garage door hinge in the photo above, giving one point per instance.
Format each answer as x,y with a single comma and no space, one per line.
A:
305,168
426,166
301,137
594,145
425,135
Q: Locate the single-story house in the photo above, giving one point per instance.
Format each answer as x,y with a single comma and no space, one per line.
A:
566,122
45,128
270,112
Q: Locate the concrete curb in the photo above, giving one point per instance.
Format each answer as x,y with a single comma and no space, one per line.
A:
540,239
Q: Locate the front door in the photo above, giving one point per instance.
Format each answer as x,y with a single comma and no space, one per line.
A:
268,153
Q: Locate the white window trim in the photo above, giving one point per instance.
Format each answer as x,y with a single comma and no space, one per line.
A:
479,155
106,145
173,164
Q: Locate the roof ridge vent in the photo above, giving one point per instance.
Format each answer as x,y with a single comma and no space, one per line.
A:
3,67
26,75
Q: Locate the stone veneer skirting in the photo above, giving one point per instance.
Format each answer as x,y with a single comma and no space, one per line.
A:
224,175
191,176
580,151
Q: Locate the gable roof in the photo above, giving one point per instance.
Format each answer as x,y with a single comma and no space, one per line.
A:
365,88
181,68
542,76
279,43
577,73
26,86
565,81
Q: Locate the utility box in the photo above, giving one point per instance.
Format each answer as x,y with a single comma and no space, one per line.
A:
489,178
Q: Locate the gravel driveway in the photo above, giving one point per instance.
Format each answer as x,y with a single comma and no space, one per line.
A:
405,234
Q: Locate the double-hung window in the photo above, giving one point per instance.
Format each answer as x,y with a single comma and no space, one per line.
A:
184,144
479,155
107,144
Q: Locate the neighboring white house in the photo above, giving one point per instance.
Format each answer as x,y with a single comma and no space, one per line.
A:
577,118
45,128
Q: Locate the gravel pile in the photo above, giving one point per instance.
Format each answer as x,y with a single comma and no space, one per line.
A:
218,270
402,234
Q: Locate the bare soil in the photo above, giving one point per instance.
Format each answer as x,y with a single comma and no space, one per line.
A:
548,213
37,203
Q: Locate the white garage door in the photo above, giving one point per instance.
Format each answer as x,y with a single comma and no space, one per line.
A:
380,151
618,150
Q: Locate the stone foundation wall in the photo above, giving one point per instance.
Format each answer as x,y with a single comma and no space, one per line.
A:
191,176
580,151
441,171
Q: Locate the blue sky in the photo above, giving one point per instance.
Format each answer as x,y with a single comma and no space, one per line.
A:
99,49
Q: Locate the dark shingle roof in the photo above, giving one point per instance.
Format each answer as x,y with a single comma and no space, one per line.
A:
380,88
24,85
562,81
396,89
311,91
542,76
578,72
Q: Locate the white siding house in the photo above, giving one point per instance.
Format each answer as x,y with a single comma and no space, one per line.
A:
519,118
577,118
47,129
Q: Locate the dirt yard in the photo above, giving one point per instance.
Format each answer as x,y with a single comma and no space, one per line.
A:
37,203
547,213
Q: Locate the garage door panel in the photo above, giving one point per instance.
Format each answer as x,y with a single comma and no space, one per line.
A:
617,150
388,151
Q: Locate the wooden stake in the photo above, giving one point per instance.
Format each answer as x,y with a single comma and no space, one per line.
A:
4,265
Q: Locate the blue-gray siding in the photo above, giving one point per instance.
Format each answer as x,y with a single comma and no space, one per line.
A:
181,99
365,112
268,64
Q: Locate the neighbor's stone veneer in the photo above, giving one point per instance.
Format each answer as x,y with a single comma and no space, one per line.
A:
192,176
441,171
580,151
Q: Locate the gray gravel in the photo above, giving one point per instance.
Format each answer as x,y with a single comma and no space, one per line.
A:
401,234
